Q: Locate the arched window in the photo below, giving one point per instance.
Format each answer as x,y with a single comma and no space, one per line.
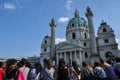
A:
106,40
73,25
104,30
73,36
85,44
45,41
45,62
85,35
86,55
108,54
45,50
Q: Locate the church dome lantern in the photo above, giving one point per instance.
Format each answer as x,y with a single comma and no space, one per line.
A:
77,21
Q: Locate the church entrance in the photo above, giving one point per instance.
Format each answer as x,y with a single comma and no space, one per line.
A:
108,56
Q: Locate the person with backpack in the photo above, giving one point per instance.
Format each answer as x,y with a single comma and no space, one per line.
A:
99,72
23,70
87,72
11,69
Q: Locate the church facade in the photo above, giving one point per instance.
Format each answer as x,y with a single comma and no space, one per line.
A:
81,43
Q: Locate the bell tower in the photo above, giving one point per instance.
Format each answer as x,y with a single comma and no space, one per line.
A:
93,46
52,40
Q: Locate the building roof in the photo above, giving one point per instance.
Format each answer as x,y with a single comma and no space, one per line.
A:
76,21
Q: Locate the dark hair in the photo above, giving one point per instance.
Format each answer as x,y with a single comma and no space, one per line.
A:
1,64
23,61
96,64
84,64
37,65
62,62
117,59
74,63
13,61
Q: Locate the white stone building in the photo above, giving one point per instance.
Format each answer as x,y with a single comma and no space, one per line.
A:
81,43
33,59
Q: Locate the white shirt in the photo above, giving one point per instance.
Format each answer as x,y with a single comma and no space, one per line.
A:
73,74
32,74
25,71
49,72
99,72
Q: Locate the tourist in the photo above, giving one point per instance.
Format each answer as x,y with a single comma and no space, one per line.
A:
99,72
32,73
108,70
2,71
63,72
75,71
49,71
11,69
87,72
36,73
23,68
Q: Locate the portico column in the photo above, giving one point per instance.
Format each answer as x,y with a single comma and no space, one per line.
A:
75,55
71,57
57,57
80,57
60,55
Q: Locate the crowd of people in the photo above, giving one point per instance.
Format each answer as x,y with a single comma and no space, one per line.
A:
102,70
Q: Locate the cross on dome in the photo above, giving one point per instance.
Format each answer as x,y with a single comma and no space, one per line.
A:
76,13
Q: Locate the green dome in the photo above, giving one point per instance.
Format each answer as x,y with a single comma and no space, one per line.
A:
77,22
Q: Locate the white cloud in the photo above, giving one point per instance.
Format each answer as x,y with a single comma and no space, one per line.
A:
63,19
58,40
118,41
9,6
68,4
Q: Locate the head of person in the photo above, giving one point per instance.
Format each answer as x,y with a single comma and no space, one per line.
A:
84,64
23,62
1,64
38,67
96,64
102,61
13,62
62,63
74,64
117,59
49,63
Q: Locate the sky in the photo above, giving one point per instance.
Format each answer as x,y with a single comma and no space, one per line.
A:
24,23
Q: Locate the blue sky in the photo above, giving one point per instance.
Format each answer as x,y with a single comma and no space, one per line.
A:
24,23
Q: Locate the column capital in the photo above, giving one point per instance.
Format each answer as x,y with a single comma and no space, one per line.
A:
52,23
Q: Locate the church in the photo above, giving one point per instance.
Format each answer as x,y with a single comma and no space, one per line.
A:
81,42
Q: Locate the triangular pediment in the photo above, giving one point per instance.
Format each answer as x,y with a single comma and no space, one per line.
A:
63,46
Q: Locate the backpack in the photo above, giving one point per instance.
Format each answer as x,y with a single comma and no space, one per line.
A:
20,75
11,72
